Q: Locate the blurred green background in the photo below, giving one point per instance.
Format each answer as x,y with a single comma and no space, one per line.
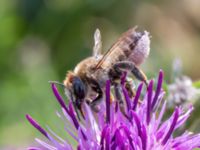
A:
41,39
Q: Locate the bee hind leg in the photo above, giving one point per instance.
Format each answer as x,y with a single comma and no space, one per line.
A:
131,67
139,74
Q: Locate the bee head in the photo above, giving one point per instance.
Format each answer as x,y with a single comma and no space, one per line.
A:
75,88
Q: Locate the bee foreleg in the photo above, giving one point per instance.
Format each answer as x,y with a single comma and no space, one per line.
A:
131,67
96,87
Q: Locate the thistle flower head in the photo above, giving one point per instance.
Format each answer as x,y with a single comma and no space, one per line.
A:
182,91
140,127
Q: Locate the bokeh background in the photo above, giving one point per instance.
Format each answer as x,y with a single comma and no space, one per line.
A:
41,39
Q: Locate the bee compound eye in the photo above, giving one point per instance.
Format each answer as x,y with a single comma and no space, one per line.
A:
79,88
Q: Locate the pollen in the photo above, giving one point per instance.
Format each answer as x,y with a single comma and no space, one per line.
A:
142,48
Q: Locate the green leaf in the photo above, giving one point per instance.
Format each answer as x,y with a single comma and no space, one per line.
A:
196,84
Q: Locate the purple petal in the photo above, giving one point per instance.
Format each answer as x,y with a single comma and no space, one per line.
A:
57,144
44,144
90,122
107,139
128,134
55,135
75,121
82,138
37,126
58,96
137,121
68,122
71,134
137,96
161,113
127,98
119,139
149,97
171,129
158,89
144,138
188,142
183,117
72,114
108,101
103,135
78,147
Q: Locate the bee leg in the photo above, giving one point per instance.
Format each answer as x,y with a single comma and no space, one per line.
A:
94,104
139,74
130,66
119,96
77,106
129,88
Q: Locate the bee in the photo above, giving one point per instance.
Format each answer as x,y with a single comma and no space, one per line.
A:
88,80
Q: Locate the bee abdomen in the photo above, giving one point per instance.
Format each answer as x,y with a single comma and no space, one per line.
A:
132,46
136,47
128,46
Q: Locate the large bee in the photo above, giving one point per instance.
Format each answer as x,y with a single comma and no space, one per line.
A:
87,81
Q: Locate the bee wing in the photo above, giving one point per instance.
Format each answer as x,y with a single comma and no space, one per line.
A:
115,46
97,44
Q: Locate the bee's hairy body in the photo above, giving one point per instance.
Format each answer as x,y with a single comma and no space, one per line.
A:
128,52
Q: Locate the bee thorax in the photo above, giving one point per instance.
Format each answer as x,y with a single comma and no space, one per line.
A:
101,76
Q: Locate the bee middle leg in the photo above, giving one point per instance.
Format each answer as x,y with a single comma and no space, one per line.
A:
119,96
117,71
130,89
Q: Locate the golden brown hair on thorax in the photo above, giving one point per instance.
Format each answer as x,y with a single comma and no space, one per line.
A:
68,80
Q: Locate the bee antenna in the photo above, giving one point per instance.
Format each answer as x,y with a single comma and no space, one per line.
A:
58,83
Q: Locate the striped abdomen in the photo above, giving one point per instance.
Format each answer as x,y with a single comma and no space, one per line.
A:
132,46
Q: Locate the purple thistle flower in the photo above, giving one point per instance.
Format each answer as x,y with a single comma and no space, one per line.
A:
140,128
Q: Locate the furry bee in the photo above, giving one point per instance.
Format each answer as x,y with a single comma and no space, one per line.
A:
89,77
